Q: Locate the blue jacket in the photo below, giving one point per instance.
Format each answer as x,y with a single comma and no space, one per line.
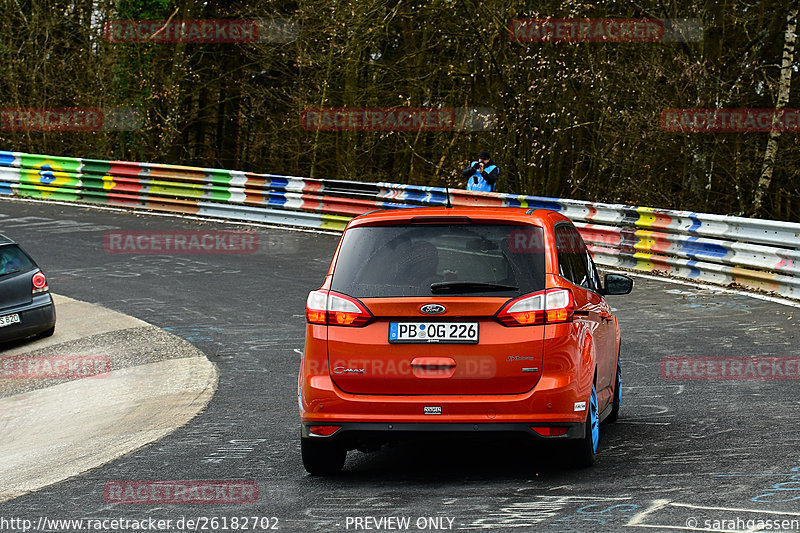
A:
481,181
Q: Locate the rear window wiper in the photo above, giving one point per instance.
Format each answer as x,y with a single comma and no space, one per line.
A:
469,286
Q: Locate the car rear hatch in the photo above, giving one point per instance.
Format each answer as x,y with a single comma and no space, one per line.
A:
433,291
16,270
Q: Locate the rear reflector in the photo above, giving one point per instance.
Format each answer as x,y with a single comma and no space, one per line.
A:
333,309
550,431
323,431
546,307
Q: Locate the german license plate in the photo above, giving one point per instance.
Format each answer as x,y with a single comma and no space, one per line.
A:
428,332
7,320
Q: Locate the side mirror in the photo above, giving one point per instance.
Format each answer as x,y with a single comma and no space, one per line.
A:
617,284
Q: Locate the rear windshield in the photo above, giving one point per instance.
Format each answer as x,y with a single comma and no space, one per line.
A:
13,260
452,260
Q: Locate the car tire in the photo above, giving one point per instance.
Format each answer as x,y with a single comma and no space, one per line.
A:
322,458
45,333
586,448
617,402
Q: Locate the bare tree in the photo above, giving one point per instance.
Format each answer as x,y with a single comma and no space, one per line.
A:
770,153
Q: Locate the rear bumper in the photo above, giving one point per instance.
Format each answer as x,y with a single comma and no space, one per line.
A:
383,431
35,317
551,403
560,396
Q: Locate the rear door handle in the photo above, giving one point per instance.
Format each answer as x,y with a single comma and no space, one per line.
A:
433,367
435,362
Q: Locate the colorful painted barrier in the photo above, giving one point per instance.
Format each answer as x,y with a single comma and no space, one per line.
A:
751,253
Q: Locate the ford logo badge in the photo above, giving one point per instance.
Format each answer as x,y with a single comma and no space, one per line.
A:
432,309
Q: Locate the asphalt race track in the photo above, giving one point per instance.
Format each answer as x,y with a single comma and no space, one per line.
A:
683,452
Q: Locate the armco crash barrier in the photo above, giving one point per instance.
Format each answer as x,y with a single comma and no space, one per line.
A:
752,253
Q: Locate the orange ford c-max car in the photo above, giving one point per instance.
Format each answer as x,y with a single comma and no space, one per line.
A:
467,320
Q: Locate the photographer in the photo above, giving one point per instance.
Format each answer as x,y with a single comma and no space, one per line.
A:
482,174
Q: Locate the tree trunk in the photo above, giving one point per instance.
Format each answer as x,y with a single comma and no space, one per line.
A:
790,38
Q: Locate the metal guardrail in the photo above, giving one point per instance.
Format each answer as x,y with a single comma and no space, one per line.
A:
751,253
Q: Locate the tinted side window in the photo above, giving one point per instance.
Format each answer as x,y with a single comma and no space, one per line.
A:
594,274
562,249
581,260
572,251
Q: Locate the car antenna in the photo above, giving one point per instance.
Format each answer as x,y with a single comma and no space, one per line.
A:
447,204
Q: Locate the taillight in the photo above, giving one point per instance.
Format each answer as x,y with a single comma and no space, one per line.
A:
546,307
559,306
39,283
525,311
324,307
316,307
